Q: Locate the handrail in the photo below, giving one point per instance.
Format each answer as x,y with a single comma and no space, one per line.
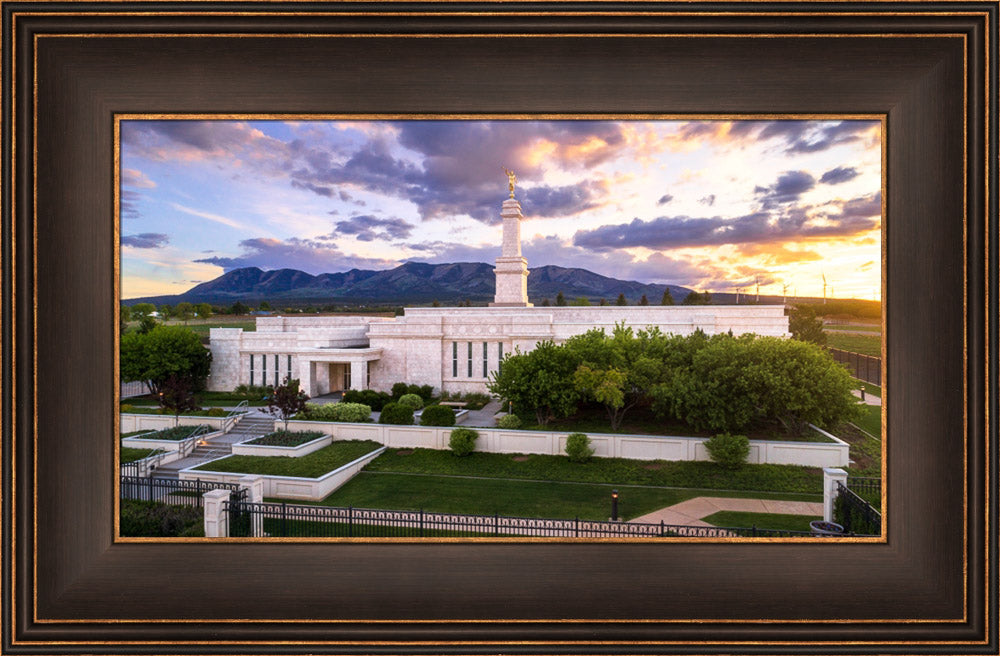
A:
233,416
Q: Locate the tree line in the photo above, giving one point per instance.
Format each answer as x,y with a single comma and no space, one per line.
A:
716,383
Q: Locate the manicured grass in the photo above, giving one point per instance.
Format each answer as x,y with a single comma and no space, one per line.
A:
872,420
286,438
867,345
128,454
488,496
641,421
774,521
313,465
483,496
860,327
611,471
138,432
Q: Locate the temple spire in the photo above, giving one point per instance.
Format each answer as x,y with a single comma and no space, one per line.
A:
511,268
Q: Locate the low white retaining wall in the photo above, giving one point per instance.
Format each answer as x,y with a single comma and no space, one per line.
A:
290,487
139,442
247,449
637,447
131,422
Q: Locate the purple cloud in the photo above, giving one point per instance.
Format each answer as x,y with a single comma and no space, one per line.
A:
839,174
370,228
303,254
146,240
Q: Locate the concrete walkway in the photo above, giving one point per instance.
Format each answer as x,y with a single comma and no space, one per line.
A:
870,399
483,418
690,512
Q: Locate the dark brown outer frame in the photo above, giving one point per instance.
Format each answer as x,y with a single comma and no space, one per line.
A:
925,66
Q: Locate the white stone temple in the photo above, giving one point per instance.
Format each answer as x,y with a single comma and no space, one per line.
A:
453,349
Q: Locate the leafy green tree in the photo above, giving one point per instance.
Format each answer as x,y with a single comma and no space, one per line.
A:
621,300
603,302
147,323
165,350
805,325
668,298
238,308
560,300
643,300
539,381
140,310
203,310
582,301
176,394
287,400
618,370
264,305
124,316
184,311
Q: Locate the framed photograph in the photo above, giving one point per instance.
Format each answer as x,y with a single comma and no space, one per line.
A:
76,75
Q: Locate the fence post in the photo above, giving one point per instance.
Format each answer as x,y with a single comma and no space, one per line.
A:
284,520
255,494
149,489
576,523
496,524
831,476
421,522
350,521
216,517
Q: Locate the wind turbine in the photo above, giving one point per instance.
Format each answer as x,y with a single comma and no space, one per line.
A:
784,293
756,280
824,288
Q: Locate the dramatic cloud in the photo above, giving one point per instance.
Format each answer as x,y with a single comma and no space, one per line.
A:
839,174
842,219
370,228
146,240
131,181
798,136
789,187
302,254
664,199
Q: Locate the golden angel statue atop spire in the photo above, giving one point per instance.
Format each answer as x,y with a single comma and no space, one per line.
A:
511,179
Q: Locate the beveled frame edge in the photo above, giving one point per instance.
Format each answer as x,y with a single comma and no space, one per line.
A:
7,299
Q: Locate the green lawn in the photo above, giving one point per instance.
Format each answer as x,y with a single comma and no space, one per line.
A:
313,465
611,471
128,454
867,345
483,496
860,327
872,420
774,521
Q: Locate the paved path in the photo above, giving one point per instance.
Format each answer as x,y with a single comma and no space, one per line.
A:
870,399
690,512
483,417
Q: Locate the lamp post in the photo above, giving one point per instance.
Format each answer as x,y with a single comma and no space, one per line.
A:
614,505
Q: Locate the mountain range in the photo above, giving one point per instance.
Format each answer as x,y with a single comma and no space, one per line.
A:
412,282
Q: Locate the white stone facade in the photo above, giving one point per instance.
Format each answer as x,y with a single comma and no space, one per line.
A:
451,349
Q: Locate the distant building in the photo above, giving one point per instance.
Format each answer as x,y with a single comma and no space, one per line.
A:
453,349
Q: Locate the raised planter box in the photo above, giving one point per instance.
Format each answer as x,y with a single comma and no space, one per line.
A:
290,487
247,449
637,447
131,422
166,445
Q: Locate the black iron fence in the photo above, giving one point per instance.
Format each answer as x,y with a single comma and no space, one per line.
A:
172,491
863,367
307,521
854,513
869,489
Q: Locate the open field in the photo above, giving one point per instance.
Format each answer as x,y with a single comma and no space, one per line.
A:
864,344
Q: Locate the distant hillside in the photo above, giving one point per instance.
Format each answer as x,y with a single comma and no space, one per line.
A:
413,282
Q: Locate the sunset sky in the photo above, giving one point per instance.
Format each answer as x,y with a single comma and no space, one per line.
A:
711,205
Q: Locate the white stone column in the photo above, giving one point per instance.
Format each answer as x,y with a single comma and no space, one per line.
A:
511,268
306,377
359,372
216,517
831,476
255,494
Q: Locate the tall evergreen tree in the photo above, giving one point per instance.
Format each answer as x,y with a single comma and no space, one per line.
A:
621,300
668,298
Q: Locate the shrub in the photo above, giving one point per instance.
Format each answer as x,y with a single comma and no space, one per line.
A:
371,398
509,422
476,400
463,441
127,407
217,412
151,519
412,401
437,415
352,412
728,451
425,392
252,392
578,447
396,413
398,390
